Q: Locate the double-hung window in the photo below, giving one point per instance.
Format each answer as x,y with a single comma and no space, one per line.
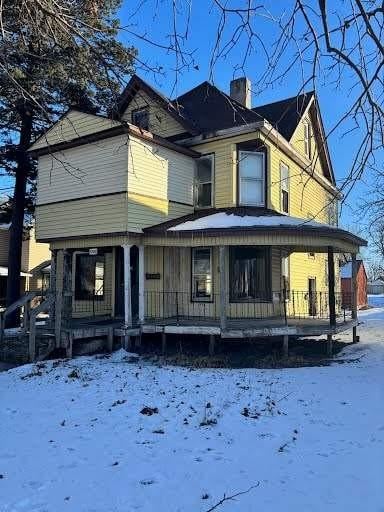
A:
201,274
284,188
204,181
250,274
252,178
89,277
307,139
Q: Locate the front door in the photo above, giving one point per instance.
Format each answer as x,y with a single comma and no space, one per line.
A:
119,285
312,307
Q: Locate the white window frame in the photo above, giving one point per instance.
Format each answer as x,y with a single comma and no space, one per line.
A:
210,156
286,271
284,186
307,138
261,180
195,298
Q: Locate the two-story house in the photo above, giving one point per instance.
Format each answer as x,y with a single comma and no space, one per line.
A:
201,215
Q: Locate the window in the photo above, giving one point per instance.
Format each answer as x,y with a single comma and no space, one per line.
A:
285,284
89,277
250,274
201,274
332,212
140,118
252,178
284,188
204,179
307,139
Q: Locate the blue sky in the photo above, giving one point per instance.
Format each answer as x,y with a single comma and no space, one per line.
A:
153,20
201,37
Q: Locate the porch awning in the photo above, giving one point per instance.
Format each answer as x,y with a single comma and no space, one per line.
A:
252,222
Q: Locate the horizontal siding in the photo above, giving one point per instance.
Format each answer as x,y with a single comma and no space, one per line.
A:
92,169
106,214
160,121
160,172
73,125
146,211
308,198
297,142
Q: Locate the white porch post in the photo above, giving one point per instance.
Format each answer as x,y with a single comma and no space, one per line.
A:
127,286
141,285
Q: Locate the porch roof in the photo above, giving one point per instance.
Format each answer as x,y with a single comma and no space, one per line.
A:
249,221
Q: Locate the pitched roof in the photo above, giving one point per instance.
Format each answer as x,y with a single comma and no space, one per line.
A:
205,108
136,84
210,109
285,115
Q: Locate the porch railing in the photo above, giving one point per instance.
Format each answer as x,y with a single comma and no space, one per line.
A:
284,305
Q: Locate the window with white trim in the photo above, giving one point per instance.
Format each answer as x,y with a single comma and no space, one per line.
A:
284,187
201,274
252,178
204,181
307,139
285,281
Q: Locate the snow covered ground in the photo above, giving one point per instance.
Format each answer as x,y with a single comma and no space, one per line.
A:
108,435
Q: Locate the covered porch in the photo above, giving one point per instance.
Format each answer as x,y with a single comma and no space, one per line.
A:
259,281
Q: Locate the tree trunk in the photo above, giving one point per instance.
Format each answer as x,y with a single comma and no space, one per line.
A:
17,220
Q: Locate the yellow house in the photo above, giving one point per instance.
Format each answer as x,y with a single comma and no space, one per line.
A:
200,215
35,263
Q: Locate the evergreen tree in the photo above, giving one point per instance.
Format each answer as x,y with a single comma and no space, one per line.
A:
53,54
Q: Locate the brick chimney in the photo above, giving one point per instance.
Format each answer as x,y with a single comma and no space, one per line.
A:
240,91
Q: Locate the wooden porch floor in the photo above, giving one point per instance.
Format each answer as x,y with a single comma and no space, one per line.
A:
235,328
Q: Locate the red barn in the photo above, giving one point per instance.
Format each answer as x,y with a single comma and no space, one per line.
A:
346,284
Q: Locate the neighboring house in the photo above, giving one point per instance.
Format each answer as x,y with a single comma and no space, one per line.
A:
200,215
346,284
35,260
376,287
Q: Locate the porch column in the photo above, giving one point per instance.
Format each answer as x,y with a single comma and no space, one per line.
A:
223,290
354,297
141,285
67,287
52,287
127,286
331,287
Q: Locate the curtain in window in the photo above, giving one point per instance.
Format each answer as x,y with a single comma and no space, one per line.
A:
250,273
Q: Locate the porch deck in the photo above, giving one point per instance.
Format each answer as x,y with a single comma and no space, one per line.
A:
235,328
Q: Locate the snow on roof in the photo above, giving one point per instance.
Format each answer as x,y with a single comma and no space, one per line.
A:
346,270
5,227
223,220
4,272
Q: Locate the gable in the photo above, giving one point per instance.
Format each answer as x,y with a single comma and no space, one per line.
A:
320,158
72,125
161,122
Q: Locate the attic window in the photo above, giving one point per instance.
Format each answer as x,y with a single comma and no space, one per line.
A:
307,139
140,118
